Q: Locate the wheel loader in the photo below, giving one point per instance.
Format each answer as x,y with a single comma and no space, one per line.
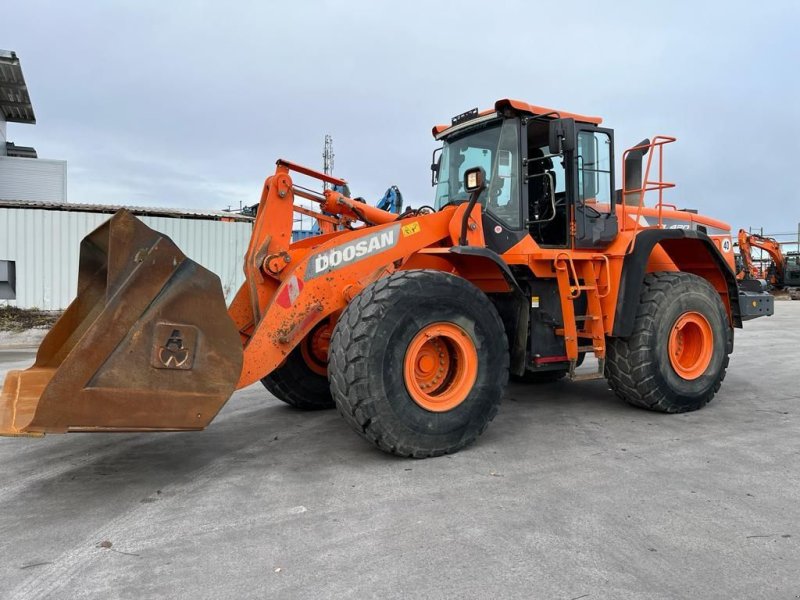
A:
529,259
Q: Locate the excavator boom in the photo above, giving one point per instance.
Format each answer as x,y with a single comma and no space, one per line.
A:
748,241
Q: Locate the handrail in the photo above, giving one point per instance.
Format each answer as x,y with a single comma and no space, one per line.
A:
569,267
658,143
607,285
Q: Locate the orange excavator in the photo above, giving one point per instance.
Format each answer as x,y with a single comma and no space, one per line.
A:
783,272
529,260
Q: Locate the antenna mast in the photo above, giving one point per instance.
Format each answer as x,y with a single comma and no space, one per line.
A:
327,159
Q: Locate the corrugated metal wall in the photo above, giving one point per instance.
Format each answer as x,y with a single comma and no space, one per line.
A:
37,179
45,244
2,135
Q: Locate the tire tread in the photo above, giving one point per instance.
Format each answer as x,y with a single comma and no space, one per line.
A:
349,351
627,356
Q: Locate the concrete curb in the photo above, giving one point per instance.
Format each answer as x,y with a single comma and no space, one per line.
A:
22,339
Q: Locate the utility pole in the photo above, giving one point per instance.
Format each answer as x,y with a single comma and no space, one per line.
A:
327,159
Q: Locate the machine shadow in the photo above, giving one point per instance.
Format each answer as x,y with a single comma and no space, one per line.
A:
244,441
564,394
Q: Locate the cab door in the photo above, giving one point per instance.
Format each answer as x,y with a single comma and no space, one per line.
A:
594,219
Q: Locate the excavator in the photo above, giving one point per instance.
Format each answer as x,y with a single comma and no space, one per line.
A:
528,260
783,272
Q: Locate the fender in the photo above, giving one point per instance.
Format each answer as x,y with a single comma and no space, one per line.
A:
518,331
635,266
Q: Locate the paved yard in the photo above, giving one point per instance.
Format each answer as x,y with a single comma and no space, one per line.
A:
569,494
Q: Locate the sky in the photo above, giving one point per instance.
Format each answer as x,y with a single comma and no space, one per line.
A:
189,104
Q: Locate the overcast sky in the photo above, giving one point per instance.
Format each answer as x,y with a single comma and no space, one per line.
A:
190,103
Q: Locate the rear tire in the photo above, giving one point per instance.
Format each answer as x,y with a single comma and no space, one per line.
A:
298,386
386,386
675,359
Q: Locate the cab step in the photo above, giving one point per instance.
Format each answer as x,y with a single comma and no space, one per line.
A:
599,374
583,318
588,348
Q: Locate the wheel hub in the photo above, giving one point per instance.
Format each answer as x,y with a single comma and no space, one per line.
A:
440,367
315,349
691,345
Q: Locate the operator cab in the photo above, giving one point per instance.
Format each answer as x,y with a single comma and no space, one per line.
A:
547,176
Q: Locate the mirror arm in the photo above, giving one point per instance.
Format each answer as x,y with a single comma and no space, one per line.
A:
476,176
473,198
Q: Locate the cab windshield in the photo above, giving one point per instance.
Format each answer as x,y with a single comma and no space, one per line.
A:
494,147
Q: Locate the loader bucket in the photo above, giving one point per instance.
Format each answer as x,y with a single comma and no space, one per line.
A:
146,345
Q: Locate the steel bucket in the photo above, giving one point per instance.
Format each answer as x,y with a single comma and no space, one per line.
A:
147,344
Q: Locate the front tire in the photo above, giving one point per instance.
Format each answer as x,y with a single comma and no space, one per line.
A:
418,363
676,357
302,381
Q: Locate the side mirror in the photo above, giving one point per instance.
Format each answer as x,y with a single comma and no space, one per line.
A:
562,136
474,179
436,161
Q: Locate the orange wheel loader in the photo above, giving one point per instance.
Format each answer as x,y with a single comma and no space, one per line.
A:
529,259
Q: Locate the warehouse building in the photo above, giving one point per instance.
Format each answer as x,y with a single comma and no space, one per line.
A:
40,231
39,243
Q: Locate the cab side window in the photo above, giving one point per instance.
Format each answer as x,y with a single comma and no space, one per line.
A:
594,168
503,192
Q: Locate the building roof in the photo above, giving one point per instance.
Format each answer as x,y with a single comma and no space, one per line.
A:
142,211
13,150
15,103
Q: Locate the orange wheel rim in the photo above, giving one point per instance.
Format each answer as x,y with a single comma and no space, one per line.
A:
440,367
314,349
691,345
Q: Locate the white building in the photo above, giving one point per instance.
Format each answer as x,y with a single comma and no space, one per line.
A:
40,232
24,176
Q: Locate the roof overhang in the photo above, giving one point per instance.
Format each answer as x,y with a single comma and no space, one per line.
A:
145,211
506,104
15,103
